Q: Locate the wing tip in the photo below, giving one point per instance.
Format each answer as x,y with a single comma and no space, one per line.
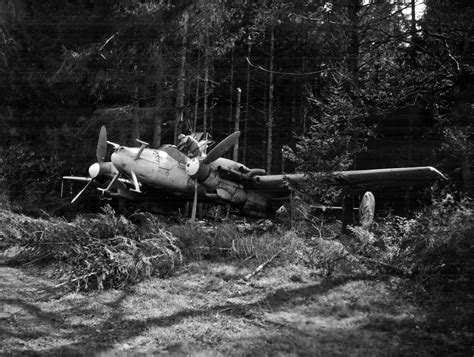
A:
438,173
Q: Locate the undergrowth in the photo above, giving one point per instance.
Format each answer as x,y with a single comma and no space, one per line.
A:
96,252
434,247
242,241
110,251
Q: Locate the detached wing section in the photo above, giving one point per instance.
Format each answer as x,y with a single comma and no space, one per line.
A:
354,180
387,178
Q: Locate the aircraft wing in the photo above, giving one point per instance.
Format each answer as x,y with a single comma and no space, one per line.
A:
77,178
387,178
355,179
87,179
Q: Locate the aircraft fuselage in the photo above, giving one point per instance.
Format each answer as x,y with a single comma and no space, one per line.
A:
154,167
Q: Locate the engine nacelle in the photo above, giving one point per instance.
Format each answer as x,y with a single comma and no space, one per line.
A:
250,203
102,169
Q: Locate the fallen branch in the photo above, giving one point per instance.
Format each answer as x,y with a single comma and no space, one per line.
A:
75,279
395,269
261,266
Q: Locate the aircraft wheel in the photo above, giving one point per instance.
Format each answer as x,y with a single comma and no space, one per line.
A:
367,209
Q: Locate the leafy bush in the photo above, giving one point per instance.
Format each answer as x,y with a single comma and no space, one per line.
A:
442,247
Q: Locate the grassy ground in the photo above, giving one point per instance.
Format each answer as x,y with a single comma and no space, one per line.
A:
207,309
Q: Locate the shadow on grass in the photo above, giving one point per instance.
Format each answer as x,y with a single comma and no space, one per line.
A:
116,328
80,338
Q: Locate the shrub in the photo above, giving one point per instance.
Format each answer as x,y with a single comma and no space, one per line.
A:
435,246
258,241
99,252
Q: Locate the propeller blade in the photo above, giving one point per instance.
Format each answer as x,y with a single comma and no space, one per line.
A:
101,151
82,191
221,148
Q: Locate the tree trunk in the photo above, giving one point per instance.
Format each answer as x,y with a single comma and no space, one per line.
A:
347,212
181,79
247,96
136,121
124,124
270,104
354,43
303,104
413,31
158,120
136,127
231,90
206,94
235,156
196,99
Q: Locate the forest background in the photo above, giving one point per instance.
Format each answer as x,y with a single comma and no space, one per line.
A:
325,85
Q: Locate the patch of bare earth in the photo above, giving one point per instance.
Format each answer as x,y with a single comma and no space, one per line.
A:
206,309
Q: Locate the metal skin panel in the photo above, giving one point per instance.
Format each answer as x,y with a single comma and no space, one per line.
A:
155,168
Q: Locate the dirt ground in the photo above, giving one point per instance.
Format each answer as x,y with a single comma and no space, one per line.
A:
206,310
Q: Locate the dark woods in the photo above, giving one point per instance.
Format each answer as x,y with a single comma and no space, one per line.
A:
325,85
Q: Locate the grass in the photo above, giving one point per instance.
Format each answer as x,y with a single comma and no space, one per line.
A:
201,311
310,300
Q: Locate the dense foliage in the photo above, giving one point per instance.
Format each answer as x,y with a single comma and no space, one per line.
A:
433,248
317,77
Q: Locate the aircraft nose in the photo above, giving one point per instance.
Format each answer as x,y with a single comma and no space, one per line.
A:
94,170
115,158
192,167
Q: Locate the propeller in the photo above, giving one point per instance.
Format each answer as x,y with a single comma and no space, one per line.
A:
199,169
82,191
101,166
221,148
101,151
